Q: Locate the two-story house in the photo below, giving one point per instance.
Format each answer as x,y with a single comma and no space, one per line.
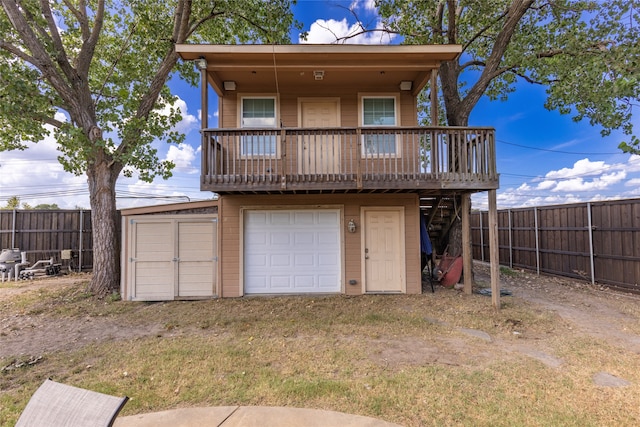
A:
322,172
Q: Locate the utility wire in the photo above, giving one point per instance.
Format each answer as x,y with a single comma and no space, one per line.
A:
557,151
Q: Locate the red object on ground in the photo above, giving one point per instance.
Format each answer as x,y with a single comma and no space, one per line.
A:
452,270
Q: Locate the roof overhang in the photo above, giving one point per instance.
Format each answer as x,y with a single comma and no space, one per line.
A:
257,67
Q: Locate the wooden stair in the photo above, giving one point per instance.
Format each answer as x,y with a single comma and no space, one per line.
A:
440,212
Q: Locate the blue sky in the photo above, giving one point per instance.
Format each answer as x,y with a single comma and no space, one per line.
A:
543,157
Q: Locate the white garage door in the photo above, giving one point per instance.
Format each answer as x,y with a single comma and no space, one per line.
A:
292,251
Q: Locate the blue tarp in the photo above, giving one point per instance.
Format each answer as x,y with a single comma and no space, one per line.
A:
425,242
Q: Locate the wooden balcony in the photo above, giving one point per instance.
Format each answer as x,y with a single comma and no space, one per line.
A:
369,159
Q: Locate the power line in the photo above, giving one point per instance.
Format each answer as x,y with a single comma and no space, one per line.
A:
557,151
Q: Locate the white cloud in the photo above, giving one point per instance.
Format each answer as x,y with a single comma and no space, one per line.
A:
183,156
633,165
180,188
635,182
584,181
546,185
368,5
329,31
579,184
188,122
582,167
36,176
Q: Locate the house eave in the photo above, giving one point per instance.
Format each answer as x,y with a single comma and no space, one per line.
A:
253,66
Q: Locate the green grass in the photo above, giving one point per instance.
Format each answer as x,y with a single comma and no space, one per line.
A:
508,272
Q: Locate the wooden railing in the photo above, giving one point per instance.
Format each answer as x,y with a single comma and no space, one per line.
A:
371,158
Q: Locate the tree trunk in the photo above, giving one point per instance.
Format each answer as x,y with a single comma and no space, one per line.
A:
104,221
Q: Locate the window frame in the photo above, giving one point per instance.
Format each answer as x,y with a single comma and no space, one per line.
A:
396,104
276,120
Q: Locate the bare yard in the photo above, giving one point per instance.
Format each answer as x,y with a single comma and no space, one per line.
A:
559,352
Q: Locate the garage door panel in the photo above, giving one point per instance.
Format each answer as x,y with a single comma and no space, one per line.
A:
303,246
258,283
279,218
304,282
304,238
280,239
304,260
328,260
280,261
304,218
282,282
327,281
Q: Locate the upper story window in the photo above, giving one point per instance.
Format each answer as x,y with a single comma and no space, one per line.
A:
258,113
379,111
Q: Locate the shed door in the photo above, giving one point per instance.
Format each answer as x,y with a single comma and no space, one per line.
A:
292,251
384,262
173,258
196,258
152,260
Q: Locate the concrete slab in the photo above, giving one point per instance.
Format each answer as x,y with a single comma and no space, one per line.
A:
182,417
248,416
256,416
606,379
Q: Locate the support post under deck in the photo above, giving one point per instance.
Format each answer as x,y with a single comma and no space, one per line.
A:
494,249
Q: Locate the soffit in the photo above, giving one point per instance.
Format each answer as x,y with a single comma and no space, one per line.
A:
290,67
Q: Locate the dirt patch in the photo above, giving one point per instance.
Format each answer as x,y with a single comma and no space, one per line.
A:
579,308
583,308
11,288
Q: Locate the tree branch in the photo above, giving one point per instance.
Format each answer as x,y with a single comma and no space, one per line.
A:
60,54
474,63
81,16
483,30
115,62
181,19
452,27
40,58
439,19
514,14
89,44
14,50
51,121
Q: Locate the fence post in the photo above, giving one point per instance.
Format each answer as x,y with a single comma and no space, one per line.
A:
481,238
510,240
494,251
591,260
535,222
13,231
81,238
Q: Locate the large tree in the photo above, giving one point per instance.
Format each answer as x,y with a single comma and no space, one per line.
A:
97,72
586,53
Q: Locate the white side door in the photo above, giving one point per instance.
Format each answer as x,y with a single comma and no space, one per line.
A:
383,243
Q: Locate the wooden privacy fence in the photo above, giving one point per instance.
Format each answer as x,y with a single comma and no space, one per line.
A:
596,241
44,234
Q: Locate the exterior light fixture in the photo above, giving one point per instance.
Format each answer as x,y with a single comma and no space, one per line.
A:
229,85
318,74
351,226
201,63
406,85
